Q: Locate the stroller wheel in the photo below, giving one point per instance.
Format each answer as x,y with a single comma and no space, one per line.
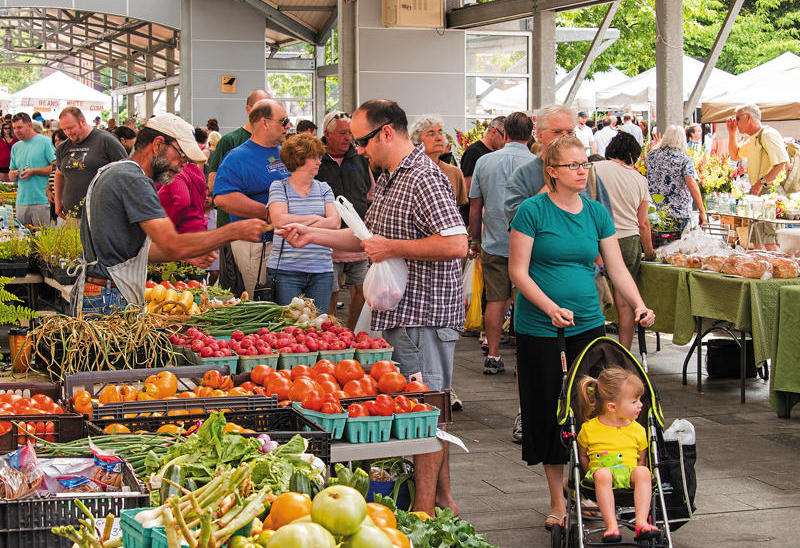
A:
573,538
557,536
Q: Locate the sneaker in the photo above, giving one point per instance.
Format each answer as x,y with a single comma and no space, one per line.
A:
493,366
516,433
455,402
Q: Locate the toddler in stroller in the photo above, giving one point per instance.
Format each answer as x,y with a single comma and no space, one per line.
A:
613,447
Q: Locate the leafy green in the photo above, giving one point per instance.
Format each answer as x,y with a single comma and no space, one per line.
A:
446,529
276,467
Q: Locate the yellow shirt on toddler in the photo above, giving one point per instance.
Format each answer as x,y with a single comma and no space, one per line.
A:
600,439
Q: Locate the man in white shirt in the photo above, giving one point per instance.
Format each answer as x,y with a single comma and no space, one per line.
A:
604,136
584,133
628,126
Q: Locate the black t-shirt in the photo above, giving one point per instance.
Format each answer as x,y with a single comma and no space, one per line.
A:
471,155
122,197
79,162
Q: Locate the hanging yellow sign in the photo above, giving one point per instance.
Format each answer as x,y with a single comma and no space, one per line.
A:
228,84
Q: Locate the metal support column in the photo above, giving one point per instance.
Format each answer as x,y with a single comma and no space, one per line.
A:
131,98
543,77
148,95
594,51
348,90
114,99
713,55
318,87
170,70
669,63
186,60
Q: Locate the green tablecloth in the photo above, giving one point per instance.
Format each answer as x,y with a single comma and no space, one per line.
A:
786,365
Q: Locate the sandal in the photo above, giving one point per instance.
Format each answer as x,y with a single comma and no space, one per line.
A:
589,509
612,536
558,520
646,534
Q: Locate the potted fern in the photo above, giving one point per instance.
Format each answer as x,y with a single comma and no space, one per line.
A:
16,315
14,254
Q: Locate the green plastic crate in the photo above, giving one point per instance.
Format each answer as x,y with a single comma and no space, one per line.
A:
290,359
368,429
368,357
337,355
231,361
332,423
411,426
247,363
134,535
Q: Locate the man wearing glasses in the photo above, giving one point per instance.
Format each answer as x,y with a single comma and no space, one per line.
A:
241,187
414,216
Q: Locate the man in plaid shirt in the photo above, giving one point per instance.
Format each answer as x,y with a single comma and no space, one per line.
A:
414,216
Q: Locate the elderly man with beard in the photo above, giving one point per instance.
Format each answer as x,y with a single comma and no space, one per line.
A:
124,225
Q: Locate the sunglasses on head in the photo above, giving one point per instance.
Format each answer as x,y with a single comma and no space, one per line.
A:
363,141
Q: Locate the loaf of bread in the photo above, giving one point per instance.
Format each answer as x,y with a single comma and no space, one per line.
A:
754,269
730,265
680,260
784,268
694,261
713,263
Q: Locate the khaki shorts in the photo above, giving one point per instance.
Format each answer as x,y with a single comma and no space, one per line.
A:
247,256
496,283
354,273
631,248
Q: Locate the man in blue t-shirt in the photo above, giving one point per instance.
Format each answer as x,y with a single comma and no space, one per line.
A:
31,162
241,186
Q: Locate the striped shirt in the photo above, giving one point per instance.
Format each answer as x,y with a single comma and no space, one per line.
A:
312,258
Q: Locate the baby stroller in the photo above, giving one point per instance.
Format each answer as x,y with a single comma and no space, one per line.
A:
670,494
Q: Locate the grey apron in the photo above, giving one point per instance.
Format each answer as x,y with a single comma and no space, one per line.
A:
129,276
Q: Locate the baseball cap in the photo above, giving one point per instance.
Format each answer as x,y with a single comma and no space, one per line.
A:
581,113
180,130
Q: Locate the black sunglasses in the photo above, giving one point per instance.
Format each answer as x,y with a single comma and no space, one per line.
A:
283,121
363,141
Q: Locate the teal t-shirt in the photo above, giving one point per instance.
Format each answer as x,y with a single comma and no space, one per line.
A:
565,246
34,153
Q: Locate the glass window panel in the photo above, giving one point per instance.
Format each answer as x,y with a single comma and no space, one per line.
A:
497,54
299,110
490,97
290,85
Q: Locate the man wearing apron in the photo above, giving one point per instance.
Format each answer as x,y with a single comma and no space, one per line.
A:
124,225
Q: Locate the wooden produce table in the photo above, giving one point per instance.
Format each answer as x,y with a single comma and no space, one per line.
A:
682,297
30,280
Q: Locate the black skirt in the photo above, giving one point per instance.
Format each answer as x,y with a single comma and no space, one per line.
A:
539,382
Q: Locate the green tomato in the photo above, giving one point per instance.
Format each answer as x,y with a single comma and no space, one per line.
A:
340,509
368,537
263,538
240,542
302,535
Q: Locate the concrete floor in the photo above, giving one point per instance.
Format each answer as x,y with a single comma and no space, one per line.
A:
748,491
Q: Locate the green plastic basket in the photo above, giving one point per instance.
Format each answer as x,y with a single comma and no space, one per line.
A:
332,423
337,355
231,361
247,363
290,359
368,429
411,426
368,357
134,535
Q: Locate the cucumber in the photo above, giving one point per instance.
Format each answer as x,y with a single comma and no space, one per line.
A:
174,474
299,483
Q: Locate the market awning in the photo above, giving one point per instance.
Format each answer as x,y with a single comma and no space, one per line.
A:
57,91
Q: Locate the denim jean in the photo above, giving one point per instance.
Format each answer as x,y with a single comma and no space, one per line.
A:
290,284
109,300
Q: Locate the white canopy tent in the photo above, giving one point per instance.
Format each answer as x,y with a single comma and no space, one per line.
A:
56,91
5,100
585,98
639,92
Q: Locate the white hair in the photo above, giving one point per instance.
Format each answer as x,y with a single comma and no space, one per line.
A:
423,123
332,117
750,109
544,114
674,138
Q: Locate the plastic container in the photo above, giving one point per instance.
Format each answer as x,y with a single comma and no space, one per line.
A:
247,363
134,535
368,429
232,362
368,357
14,268
337,355
66,427
411,426
290,359
332,423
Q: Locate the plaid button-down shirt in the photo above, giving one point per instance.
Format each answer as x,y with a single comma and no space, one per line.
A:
414,202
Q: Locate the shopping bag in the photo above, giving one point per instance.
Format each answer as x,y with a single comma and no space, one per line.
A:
466,281
385,282
363,323
474,318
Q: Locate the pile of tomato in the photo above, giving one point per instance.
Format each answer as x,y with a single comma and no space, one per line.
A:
177,286
38,404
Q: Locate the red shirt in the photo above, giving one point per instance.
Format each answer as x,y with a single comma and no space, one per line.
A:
5,152
184,200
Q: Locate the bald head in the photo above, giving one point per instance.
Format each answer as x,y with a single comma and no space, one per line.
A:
254,97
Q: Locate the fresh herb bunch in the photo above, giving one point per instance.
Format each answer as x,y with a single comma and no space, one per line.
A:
175,272
16,246
11,314
59,246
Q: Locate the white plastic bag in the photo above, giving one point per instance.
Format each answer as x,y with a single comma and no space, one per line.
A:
385,282
363,323
681,430
466,281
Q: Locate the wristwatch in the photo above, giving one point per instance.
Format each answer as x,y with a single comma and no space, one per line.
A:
763,181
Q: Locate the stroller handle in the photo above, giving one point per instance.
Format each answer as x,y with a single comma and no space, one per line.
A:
640,336
562,347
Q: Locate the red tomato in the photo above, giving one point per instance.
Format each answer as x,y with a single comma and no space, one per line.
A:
248,385
357,410
23,406
421,407
321,377
325,366
328,387
149,283
392,383
301,387
402,404
313,400
382,367
383,406
330,408
261,373
369,384
416,386
181,286
280,386
167,284
9,397
339,394
194,284
354,389
6,407
348,370
301,371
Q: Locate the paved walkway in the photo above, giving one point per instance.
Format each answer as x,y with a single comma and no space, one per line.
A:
748,490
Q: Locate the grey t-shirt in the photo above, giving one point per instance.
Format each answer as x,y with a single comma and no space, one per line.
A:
79,162
122,197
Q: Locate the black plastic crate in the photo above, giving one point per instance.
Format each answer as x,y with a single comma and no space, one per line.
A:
281,424
14,268
663,238
28,389
238,403
26,523
66,427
